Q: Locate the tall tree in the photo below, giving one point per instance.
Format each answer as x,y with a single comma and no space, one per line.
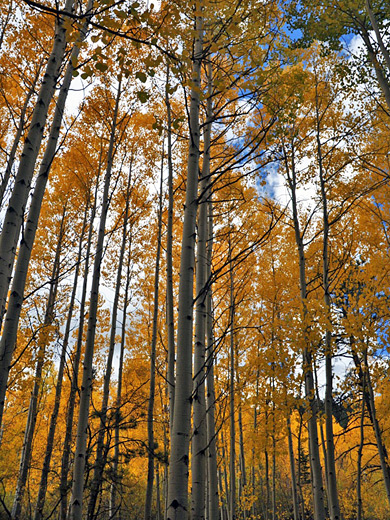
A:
86,388
179,457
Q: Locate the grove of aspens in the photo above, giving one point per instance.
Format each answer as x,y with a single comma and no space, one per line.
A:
195,260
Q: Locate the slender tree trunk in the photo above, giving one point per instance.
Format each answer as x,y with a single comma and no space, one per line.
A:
292,469
222,503
114,509
179,457
75,372
321,429
365,382
158,500
383,457
202,289
33,407
334,507
16,141
315,463
359,462
225,477
100,459
54,416
16,297
86,387
253,448
299,478
212,468
170,304
273,474
242,451
267,493
380,74
152,388
210,395
16,207
232,504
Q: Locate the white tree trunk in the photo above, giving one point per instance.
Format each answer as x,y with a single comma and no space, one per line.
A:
86,386
180,435
152,386
63,487
15,212
334,507
315,463
8,338
38,515
115,484
212,468
170,303
25,458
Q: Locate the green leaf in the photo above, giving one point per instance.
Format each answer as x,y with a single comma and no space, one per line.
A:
141,76
101,66
142,96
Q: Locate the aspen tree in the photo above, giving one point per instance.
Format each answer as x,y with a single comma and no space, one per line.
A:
26,454
292,469
38,515
14,306
86,387
114,508
198,461
232,455
169,297
212,468
255,414
333,21
18,135
17,203
359,460
363,372
242,466
153,348
63,486
315,463
101,453
333,499
179,457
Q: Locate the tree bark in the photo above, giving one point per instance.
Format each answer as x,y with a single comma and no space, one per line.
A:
212,468
232,465
383,457
380,74
16,141
199,403
179,457
359,461
170,301
152,387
